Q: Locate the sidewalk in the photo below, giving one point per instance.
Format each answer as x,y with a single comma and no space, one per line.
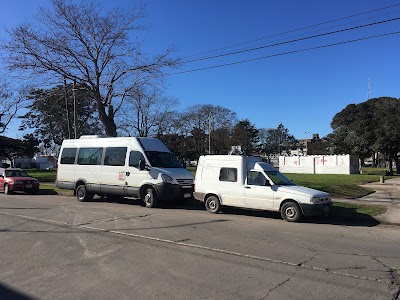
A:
386,194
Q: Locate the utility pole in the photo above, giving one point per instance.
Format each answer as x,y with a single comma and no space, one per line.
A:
66,108
209,133
369,88
75,110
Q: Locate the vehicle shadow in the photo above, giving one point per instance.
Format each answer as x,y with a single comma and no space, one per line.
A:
9,293
342,217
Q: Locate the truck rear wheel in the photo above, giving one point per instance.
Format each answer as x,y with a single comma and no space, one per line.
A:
291,212
213,205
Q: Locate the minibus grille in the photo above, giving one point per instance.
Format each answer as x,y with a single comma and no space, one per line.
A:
185,181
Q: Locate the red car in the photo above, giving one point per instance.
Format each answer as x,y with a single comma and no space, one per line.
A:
13,179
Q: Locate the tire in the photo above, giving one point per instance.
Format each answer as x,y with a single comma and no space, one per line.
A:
213,205
150,199
6,190
291,212
82,194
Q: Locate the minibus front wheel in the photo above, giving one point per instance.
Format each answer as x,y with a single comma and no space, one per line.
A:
150,198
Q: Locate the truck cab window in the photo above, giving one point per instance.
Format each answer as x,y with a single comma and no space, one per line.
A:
256,178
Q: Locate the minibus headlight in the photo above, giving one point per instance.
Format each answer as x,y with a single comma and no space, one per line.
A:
167,179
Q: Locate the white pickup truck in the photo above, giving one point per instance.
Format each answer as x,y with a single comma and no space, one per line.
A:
247,182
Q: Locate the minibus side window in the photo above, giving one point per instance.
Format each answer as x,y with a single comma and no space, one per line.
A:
90,156
68,156
115,156
134,158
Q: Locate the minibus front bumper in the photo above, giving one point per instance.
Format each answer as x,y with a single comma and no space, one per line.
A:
171,192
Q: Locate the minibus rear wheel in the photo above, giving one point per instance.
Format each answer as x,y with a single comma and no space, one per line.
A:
82,194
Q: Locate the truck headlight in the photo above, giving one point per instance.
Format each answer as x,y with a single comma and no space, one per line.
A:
167,179
315,200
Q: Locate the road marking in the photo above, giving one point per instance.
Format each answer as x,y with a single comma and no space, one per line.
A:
233,253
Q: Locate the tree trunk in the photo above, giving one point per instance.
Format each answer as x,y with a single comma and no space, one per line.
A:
107,120
397,161
389,167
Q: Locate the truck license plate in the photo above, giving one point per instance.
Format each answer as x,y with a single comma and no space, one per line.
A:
187,195
28,186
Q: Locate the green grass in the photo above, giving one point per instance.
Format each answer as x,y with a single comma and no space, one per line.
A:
351,209
43,175
339,186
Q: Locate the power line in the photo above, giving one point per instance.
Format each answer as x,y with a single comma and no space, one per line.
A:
289,52
292,41
295,30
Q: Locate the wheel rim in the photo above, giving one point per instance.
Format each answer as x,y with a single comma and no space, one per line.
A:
290,212
212,205
81,193
147,198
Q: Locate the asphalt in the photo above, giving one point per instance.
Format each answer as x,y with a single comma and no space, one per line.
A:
386,194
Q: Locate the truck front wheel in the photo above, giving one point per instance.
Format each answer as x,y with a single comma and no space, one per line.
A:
291,212
213,205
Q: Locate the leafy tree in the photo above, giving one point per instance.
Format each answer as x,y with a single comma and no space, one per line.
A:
13,148
81,41
277,140
48,112
369,127
245,135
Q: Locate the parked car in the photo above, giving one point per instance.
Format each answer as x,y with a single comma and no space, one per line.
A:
13,179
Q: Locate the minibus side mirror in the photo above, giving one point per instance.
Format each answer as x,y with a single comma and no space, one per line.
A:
142,165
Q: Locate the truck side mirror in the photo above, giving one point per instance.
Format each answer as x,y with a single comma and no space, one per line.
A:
142,165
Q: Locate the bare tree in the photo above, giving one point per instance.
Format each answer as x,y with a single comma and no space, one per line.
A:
84,43
10,102
146,112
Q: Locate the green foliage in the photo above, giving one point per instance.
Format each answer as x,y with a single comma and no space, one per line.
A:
13,148
245,135
277,140
48,114
368,127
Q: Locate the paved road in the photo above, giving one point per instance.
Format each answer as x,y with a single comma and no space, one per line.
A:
53,247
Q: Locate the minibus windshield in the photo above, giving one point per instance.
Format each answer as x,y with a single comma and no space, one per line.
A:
278,178
162,159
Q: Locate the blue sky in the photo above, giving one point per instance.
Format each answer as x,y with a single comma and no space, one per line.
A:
303,91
